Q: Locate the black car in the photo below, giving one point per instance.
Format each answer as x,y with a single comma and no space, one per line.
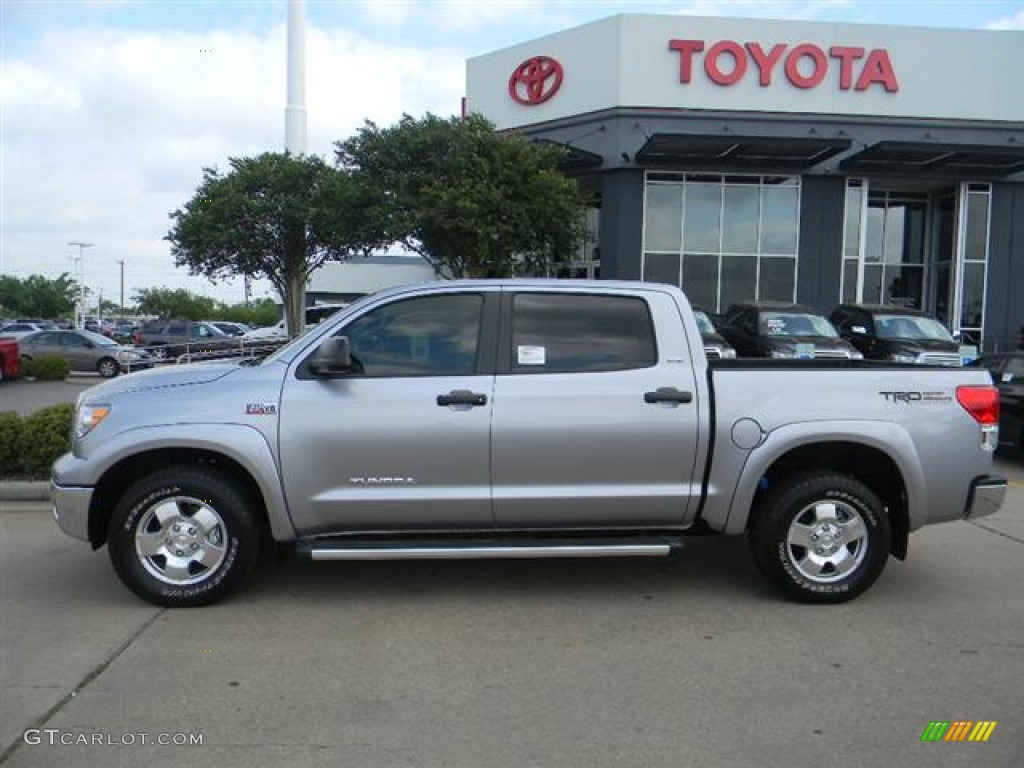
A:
886,332
1007,371
715,345
783,330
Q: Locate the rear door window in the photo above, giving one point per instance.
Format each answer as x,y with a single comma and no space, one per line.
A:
566,333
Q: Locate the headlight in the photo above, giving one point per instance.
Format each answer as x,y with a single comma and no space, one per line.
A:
88,417
787,353
898,358
856,355
126,355
729,352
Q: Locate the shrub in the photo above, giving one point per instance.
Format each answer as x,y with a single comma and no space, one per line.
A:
10,439
46,368
45,436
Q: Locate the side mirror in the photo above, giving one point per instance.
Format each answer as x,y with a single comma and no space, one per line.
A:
332,358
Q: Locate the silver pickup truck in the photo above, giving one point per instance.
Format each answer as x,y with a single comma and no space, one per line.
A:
521,419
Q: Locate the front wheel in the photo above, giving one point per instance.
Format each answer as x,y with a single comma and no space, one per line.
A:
822,537
108,368
183,536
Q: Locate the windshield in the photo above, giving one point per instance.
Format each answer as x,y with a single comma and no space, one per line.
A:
704,322
795,324
910,327
99,340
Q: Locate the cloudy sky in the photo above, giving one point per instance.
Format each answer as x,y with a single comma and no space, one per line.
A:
109,109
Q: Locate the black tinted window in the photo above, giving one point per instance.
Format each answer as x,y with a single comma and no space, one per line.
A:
555,333
428,336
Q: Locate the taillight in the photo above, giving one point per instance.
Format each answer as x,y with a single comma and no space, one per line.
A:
981,402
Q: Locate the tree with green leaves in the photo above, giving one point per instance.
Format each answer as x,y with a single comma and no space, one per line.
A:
472,202
176,302
276,216
38,296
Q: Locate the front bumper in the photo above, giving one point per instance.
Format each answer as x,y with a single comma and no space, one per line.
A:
985,497
71,509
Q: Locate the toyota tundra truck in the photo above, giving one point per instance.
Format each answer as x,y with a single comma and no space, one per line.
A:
521,419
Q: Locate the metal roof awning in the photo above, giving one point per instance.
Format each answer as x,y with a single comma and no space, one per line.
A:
947,160
574,159
739,152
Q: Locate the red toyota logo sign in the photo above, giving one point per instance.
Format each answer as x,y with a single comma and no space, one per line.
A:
535,81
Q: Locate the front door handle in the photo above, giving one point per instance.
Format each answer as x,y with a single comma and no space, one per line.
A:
668,395
462,397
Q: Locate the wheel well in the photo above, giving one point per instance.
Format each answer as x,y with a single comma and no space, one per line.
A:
871,466
116,479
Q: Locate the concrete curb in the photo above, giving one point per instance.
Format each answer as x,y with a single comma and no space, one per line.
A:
25,490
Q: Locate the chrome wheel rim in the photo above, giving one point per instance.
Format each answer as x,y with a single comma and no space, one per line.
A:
181,540
827,541
108,368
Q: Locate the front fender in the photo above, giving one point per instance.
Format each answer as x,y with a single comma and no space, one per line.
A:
245,445
887,437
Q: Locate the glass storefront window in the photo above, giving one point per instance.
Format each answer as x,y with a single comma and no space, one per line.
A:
664,214
662,268
700,279
777,279
973,295
739,278
976,244
739,236
780,220
739,219
851,222
702,225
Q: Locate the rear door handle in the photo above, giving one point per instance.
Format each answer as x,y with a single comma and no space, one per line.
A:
668,395
462,397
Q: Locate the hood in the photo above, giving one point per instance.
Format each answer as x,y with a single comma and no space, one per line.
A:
167,376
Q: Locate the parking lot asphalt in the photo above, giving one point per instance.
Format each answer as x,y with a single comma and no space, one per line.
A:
691,661
25,397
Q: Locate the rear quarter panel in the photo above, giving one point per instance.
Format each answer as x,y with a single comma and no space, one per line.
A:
934,443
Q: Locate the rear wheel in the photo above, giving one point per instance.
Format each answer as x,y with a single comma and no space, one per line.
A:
822,537
183,536
108,367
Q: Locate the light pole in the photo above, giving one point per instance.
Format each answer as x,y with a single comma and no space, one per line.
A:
121,262
80,309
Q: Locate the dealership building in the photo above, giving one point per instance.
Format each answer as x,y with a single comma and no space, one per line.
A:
794,161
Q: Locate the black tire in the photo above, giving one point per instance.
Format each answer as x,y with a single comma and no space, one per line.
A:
108,367
822,537
184,536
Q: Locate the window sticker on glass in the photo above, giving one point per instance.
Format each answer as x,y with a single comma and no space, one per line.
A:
528,355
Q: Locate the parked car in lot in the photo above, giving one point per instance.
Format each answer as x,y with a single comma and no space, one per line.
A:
86,351
267,335
231,328
783,330
20,330
899,334
1007,371
521,418
715,345
10,362
174,338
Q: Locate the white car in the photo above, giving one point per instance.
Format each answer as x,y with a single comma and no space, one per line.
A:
20,330
270,334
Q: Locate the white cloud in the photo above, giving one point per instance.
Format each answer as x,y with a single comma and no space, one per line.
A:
1008,22
106,131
